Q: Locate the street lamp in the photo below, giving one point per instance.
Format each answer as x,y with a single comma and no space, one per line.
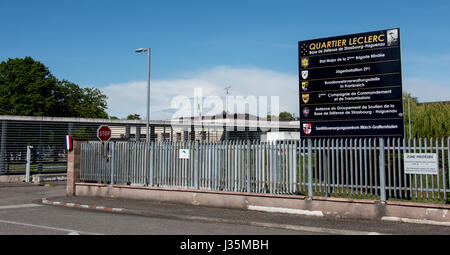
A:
148,91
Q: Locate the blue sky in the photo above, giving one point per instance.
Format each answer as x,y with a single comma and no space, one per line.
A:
92,43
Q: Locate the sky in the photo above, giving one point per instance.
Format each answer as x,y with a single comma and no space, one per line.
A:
247,45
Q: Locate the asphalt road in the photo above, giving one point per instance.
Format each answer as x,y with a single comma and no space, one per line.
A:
22,213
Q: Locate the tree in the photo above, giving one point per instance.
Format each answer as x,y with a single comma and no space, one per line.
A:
27,87
81,102
286,116
133,117
270,117
428,120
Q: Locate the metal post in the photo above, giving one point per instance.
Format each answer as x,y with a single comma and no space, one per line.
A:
40,152
3,146
112,162
152,135
148,96
409,119
310,169
70,128
192,131
196,164
326,167
28,166
148,50
138,133
151,151
382,170
127,132
248,167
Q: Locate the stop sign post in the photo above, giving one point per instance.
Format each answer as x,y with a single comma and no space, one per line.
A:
104,133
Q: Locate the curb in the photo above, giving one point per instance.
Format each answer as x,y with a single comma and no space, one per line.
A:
255,208
110,209
219,220
34,178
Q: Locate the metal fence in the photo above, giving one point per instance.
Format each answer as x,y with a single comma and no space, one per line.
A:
47,136
358,168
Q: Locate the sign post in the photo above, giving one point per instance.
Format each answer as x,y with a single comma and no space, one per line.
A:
104,134
28,165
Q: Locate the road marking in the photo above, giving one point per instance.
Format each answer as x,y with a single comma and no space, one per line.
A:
47,227
417,221
284,226
259,224
284,210
18,206
314,229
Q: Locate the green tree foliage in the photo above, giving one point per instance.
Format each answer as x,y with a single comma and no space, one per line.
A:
286,116
133,117
281,116
428,120
27,87
81,102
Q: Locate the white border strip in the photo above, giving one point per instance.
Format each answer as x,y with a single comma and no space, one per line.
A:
48,228
18,206
45,201
285,210
417,221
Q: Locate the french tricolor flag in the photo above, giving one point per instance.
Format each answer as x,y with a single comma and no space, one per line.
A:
68,142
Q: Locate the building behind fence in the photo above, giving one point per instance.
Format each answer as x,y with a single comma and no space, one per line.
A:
46,135
359,168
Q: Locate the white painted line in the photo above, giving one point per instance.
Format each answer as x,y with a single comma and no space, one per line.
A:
416,221
47,227
18,206
329,231
285,210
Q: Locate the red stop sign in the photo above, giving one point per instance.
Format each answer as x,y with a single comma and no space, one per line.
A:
104,133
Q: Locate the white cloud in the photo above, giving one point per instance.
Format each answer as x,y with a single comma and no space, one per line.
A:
129,98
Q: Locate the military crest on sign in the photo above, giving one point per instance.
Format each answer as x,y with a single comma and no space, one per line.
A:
305,98
305,74
305,85
305,111
307,128
304,62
